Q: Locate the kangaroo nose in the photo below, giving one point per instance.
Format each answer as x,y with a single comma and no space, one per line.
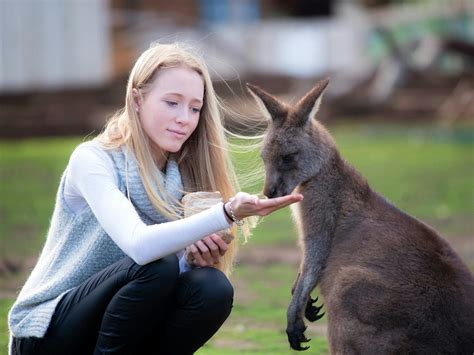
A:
272,192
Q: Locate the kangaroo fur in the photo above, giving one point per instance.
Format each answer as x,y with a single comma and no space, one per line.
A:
390,283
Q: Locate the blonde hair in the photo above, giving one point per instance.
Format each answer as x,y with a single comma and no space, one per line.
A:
203,160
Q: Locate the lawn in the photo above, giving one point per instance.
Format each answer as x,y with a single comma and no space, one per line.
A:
426,171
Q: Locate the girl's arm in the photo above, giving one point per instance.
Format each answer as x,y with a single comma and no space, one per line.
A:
91,175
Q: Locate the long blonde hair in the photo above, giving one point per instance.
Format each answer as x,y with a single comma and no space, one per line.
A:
203,160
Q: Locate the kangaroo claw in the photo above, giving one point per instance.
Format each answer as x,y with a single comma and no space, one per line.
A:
295,342
296,337
319,316
312,312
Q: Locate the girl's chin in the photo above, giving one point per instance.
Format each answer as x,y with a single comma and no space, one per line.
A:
172,148
167,148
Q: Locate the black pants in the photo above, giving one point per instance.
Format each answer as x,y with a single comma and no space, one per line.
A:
131,309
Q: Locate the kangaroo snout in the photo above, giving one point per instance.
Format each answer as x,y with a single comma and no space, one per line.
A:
270,192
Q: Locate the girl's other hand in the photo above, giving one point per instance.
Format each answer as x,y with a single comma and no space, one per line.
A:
207,251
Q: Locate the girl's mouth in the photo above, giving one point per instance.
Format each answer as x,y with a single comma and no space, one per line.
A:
177,134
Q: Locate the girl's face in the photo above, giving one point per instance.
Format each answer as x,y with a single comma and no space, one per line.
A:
169,112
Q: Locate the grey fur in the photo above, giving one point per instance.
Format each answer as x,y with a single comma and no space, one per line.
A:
391,284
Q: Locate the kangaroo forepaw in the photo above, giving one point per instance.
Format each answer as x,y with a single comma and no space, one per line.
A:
312,312
296,337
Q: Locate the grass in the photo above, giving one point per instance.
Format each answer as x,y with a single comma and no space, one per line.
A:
258,320
5,305
29,177
425,171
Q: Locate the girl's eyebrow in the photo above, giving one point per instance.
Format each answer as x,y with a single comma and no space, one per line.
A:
180,95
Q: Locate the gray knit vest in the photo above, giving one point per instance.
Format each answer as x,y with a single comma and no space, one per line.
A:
77,247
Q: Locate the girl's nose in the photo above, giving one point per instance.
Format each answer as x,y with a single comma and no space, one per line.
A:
183,116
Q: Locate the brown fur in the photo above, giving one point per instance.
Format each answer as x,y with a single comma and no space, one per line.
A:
391,284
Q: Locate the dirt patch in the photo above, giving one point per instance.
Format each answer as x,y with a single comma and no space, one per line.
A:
264,255
291,254
318,328
13,273
233,344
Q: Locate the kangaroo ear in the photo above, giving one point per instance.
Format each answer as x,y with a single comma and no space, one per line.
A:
271,107
308,106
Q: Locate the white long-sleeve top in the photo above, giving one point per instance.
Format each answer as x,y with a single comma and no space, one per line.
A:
91,180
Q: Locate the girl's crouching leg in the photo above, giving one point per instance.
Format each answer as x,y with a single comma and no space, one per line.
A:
204,298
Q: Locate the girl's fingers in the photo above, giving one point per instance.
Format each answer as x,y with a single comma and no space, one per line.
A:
266,206
213,248
280,205
220,243
205,253
281,201
246,205
198,259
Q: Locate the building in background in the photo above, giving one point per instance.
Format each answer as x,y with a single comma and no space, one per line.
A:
48,44
64,63
53,44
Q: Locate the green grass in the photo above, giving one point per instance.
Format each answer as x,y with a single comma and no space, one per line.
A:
5,305
29,176
258,320
425,171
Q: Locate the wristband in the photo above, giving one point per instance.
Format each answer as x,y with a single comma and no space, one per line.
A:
239,222
227,213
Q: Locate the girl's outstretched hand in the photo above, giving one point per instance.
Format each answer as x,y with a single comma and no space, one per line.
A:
246,205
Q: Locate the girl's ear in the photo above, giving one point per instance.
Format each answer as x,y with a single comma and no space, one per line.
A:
137,99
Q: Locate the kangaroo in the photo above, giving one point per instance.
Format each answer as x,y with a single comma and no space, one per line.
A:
391,284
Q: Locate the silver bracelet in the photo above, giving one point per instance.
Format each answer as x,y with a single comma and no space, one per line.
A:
239,222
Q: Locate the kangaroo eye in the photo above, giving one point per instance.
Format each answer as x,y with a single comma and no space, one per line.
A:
288,162
287,158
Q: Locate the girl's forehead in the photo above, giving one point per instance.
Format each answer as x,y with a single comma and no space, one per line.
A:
181,80
177,76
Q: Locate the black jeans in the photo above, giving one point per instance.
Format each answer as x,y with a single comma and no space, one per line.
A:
131,309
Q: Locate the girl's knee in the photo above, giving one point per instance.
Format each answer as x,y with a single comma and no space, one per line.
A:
165,270
168,264
215,292
219,285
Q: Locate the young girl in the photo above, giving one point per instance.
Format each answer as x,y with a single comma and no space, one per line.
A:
112,277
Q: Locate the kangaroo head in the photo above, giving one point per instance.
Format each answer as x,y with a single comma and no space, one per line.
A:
295,146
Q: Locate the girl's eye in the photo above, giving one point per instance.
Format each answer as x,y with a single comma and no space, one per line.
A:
171,103
196,110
